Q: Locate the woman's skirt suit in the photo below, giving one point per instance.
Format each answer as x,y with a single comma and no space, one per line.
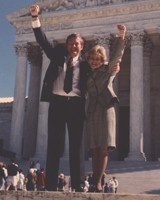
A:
100,108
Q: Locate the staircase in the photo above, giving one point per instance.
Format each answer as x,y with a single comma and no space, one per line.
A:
134,177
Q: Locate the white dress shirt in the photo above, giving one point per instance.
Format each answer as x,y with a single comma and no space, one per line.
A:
59,82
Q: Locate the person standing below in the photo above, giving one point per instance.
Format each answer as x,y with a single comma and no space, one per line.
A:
106,188
112,186
86,184
61,182
12,177
100,111
116,183
2,176
31,180
64,88
21,180
41,179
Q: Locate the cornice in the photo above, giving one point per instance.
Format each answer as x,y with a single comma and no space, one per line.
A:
50,13
136,15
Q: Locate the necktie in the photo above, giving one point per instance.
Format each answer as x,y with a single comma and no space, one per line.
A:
69,75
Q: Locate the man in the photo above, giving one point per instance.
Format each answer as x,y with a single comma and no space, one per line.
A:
66,102
12,178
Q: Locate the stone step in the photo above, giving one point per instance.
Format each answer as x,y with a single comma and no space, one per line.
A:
28,195
134,177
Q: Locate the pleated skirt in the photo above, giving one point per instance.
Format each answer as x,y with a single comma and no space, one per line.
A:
101,127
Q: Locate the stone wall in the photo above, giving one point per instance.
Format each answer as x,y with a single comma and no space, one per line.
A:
73,196
5,123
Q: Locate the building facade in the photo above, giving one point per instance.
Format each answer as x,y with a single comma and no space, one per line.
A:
137,84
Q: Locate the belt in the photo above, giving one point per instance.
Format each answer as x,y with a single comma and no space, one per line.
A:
67,98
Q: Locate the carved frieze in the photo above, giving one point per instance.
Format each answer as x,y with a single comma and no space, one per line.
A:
104,9
76,4
86,16
81,4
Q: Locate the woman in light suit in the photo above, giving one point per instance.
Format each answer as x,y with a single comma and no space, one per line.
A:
101,119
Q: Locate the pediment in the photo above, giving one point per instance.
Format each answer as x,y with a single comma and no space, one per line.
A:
47,6
87,16
116,7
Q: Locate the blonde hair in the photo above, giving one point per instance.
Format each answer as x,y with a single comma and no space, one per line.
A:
97,49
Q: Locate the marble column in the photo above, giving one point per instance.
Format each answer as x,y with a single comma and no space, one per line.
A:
31,121
18,110
42,132
147,106
136,99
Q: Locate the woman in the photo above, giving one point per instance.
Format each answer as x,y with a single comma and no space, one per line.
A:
101,120
21,180
31,180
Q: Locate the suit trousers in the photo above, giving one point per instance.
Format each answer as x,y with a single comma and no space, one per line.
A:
64,110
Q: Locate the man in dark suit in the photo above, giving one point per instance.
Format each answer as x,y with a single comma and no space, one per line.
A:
67,103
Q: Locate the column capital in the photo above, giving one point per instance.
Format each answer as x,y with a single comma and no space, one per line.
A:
21,49
137,38
103,38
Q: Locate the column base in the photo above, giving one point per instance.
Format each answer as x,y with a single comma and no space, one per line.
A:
136,156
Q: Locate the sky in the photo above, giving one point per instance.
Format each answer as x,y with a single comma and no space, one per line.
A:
7,40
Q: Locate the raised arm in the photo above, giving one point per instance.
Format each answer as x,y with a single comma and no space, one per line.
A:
34,10
40,36
122,31
118,51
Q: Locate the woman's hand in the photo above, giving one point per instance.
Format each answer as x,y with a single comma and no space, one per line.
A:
122,30
115,69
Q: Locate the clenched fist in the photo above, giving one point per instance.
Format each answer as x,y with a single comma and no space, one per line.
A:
122,30
34,10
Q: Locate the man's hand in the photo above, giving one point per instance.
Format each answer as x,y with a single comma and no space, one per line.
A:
115,69
122,30
34,10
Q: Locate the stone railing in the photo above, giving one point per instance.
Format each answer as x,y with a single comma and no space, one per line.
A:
11,195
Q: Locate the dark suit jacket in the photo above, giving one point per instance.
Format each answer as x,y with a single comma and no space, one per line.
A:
57,56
